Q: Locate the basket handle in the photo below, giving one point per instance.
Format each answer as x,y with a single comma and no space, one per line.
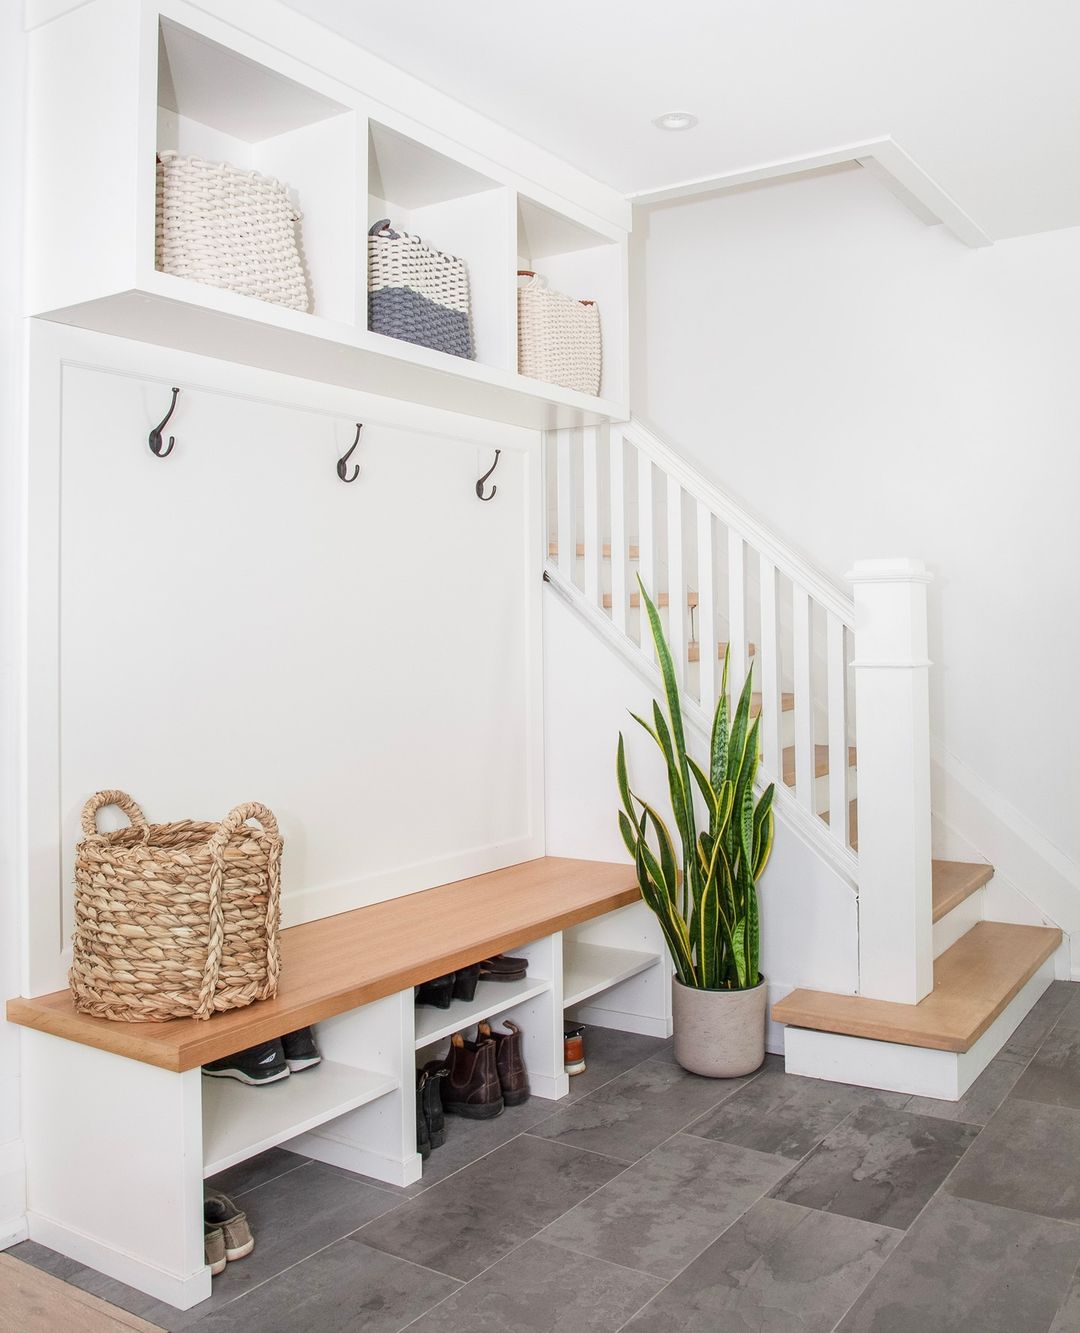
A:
230,825
118,798
383,225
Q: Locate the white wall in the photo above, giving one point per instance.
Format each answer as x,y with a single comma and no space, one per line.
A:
236,624
808,913
871,387
12,53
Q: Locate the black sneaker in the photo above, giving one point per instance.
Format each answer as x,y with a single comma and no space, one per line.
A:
257,1065
300,1050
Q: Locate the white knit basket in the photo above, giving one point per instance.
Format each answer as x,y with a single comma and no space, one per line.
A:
230,228
417,293
558,338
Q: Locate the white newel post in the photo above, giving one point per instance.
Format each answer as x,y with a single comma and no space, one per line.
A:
896,959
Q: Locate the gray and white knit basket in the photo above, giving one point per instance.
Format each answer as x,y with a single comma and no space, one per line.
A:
558,338
230,228
417,293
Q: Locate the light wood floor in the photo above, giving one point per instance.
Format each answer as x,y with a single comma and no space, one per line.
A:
35,1302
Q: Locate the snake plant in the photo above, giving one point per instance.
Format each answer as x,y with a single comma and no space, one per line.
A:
704,897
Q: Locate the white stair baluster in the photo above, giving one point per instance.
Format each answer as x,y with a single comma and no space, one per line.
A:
567,539
768,672
591,525
804,699
676,580
646,538
618,528
736,614
838,746
706,610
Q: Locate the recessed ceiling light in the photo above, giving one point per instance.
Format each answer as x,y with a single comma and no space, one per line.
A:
675,120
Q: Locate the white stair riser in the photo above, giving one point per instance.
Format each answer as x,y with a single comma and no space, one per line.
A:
959,921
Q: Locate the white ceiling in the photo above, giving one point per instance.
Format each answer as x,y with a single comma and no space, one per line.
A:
983,94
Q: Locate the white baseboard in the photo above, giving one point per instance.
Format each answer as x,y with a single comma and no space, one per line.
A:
945,1075
614,1018
180,1292
12,1193
337,1152
13,1232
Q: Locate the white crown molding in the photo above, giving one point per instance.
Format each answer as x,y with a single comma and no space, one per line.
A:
883,157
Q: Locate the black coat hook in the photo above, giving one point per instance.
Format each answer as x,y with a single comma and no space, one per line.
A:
343,460
480,484
155,434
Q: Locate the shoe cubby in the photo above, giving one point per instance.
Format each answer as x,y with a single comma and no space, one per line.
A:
455,209
586,264
618,975
216,104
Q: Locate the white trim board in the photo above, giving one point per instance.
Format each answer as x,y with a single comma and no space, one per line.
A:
883,157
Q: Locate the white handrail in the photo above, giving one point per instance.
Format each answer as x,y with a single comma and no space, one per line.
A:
781,554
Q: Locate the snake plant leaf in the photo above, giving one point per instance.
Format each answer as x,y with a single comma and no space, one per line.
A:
668,864
626,828
763,830
707,952
624,781
753,935
661,908
705,787
738,952
739,726
718,741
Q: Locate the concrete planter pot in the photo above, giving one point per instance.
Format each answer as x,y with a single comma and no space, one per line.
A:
719,1033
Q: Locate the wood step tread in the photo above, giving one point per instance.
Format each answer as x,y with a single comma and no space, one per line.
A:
341,962
693,654
973,982
632,551
662,599
956,880
821,762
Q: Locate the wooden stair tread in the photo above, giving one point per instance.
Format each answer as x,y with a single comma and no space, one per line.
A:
973,982
821,762
693,654
956,880
632,551
341,962
662,599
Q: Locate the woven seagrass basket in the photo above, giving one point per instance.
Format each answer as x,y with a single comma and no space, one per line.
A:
229,227
558,337
417,293
175,920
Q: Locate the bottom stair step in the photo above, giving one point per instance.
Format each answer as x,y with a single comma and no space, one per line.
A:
973,983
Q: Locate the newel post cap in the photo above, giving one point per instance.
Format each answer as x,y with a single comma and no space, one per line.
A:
894,569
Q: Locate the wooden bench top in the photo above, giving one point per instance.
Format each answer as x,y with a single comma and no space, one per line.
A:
341,962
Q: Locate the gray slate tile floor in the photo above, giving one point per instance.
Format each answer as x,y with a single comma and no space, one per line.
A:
650,1199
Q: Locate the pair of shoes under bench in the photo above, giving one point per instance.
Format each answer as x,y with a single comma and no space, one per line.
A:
270,1061
227,1235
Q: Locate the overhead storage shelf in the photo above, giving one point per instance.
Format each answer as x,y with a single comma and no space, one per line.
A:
201,88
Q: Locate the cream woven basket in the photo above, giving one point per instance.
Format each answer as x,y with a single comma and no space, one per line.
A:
558,337
230,228
175,920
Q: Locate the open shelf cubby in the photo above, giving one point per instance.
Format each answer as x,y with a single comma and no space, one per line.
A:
220,105
456,210
582,263
492,997
589,969
240,1121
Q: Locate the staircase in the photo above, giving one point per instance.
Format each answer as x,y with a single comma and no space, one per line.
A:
841,686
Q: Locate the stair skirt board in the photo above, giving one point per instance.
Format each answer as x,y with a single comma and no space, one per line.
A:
945,1075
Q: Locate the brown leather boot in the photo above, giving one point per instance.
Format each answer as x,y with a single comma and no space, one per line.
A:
472,1087
509,1060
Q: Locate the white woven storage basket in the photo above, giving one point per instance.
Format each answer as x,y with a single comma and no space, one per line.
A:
230,228
558,337
417,293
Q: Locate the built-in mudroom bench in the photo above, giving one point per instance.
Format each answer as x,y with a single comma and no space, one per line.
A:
121,1128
